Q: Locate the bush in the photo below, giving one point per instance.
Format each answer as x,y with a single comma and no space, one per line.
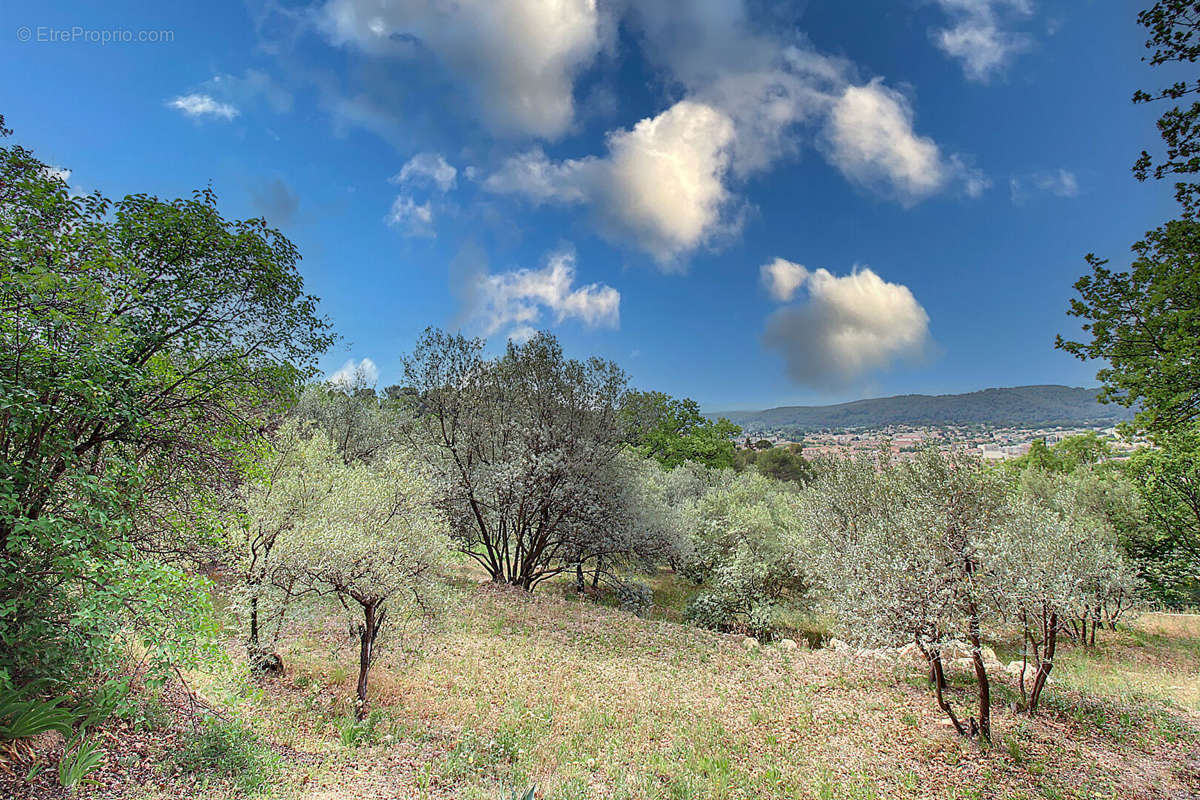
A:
636,598
743,554
228,751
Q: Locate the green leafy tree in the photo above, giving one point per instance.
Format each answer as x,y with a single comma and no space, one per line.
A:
673,431
1168,551
1145,322
1173,27
143,344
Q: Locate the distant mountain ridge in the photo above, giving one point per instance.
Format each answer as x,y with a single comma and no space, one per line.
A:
1018,406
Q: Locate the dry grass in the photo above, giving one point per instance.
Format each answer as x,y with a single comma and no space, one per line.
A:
589,702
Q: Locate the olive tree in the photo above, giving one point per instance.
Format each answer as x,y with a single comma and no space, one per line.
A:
898,551
366,535
741,553
1054,562
522,448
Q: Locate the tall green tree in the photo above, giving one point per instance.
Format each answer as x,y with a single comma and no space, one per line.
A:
1173,27
673,431
1145,322
143,345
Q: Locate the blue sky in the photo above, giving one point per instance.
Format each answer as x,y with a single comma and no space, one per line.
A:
750,204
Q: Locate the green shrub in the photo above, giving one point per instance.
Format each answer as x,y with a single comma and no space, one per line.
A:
228,751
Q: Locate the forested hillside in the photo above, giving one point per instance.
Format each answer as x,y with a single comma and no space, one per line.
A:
1018,405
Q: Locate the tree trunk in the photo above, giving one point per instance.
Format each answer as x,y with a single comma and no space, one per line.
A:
1044,666
937,677
981,678
579,585
368,631
252,644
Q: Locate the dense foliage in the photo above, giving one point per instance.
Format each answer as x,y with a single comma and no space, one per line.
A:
674,431
142,344
525,451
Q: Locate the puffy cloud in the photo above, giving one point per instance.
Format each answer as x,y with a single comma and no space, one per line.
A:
782,278
661,186
414,218
427,168
976,36
1058,182
355,374
668,184
203,105
520,57
871,140
516,300
848,326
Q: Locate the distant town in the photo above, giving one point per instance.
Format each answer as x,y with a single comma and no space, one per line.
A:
903,441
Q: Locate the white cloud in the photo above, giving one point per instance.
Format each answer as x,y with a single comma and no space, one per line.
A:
871,140
356,374
519,57
203,105
1058,182
661,186
415,218
782,278
427,167
976,35
516,300
848,326
423,169
669,184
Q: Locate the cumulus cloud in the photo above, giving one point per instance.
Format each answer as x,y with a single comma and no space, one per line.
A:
356,374
847,326
1058,182
429,168
782,278
871,140
415,219
669,184
976,35
515,301
661,185
519,57
199,105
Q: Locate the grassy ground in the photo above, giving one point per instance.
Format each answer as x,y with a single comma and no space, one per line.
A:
585,701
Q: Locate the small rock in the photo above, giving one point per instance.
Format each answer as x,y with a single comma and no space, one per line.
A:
750,643
787,644
989,655
1014,668
837,645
